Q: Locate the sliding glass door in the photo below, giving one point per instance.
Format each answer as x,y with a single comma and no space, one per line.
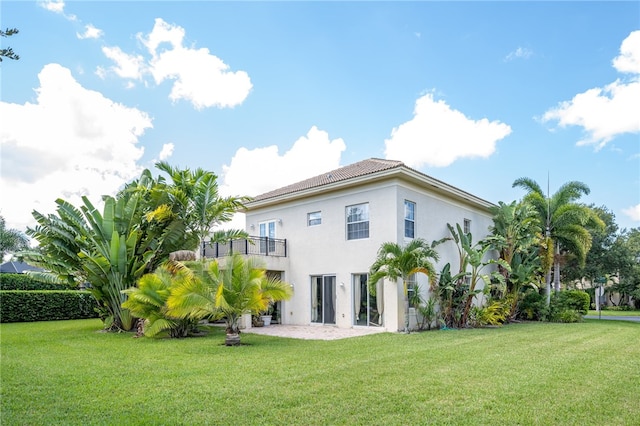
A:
367,309
323,299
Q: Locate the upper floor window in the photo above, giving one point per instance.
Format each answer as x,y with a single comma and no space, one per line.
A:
358,221
467,226
409,219
314,218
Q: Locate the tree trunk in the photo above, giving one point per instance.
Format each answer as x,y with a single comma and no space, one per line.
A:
406,307
556,269
232,339
547,290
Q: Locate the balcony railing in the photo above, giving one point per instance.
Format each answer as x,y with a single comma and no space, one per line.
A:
252,246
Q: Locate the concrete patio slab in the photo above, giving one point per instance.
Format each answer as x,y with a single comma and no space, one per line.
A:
313,332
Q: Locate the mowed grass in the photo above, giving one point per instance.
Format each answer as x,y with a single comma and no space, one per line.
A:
69,373
612,313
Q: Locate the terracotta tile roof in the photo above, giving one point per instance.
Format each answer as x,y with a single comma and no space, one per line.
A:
361,168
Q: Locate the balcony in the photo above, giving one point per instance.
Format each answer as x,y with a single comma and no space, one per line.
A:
252,246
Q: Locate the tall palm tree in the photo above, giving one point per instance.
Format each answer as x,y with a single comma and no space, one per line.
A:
196,192
227,289
396,262
564,223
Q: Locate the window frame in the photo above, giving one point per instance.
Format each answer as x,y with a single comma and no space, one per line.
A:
362,226
316,220
411,220
466,225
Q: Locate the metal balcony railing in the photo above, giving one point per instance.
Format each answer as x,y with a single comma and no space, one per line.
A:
252,246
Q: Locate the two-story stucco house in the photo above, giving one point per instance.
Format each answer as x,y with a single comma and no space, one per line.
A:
322,235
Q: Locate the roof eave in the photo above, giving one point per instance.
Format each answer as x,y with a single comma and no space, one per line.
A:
402,172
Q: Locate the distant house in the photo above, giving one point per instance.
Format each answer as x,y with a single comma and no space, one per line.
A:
15,267
322,234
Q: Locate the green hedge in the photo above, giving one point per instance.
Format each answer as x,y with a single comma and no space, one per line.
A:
24,306
25,282
569,306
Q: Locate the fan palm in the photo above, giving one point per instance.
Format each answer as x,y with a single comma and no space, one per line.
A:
564,222
395,262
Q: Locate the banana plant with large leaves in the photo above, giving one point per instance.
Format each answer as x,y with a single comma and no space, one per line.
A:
110,250
473,259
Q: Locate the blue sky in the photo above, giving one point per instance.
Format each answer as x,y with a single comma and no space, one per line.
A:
265,94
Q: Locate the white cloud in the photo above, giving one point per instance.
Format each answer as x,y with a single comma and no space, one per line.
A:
629,59
56,6
83,144
127,66
199,77
609,111
438,135
259,170
167,151
256,171
633,212
519,53
90,32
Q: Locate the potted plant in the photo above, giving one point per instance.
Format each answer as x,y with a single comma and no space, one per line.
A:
266,315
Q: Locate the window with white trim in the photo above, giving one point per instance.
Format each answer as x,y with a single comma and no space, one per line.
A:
314,218
409,219
357,221
467,226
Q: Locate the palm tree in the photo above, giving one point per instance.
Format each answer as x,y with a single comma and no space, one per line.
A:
514,232
395,262
196,192
149,301
226,290
564,223
11,240
514,229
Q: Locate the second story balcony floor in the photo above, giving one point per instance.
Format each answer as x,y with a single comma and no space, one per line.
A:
251,246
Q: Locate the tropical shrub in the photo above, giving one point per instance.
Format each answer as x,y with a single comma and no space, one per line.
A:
148,301
135,233
532,306
427,314
451,291
39,305
569,306
177,295
567,315
495,313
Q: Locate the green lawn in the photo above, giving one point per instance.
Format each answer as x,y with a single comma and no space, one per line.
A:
69,373
610,313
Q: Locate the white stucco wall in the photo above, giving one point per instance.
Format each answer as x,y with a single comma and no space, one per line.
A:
324,249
